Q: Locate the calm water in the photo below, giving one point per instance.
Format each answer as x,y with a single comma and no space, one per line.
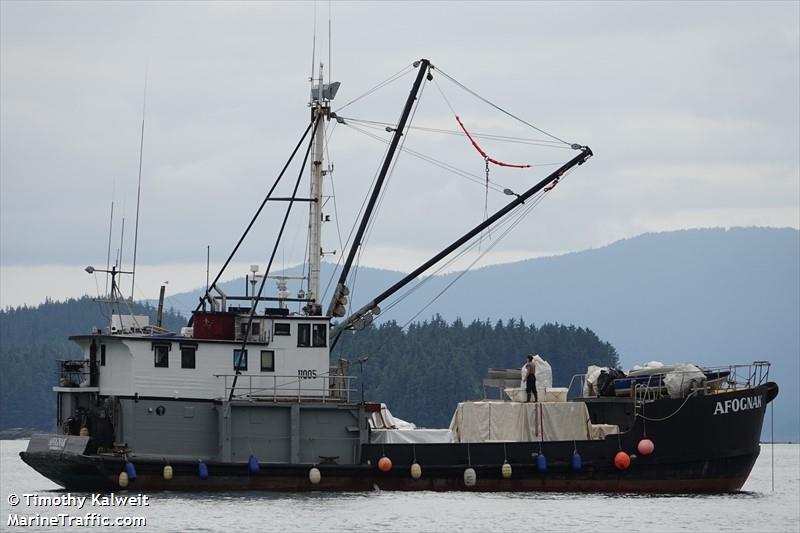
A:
758,508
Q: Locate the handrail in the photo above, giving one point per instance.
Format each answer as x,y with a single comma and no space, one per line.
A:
335,388
729,378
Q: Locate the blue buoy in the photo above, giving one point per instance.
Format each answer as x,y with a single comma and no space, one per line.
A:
130,470
576,461
202,469
541,462
252,465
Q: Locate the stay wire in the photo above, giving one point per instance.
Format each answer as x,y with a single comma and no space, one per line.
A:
469,247
437,162
257,213
466,249
544,143
513,221
497,107
396,160
248,329
394,77
516,222
371,222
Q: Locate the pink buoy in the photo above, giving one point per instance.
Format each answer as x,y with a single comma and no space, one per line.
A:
646,447
384,464
622,461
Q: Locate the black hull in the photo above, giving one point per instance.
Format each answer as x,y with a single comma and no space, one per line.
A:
696,450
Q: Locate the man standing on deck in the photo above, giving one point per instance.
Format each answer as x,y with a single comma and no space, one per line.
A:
529,377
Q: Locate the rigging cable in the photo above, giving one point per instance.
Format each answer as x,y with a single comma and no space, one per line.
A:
505,138
479,97
257,213
371,222
391,79
436,162
512,222
257,298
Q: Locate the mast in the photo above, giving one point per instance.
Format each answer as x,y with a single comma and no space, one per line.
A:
319,107
321,96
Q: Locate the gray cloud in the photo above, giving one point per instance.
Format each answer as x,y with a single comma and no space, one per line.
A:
691,108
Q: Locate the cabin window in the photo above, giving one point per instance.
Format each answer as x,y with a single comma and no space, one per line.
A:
161,355
303,335
188,352
267,360
256,328
320,335
282,328
102,355
239,360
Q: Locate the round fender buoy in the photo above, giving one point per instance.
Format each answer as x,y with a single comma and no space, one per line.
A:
541,462
253,466
167,472
470,478
505,470
384,464
645,447
622,460
416,471
314,475
131,471
577,463
123,479
202,470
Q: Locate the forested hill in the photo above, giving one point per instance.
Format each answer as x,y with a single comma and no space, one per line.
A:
421,373
32,339
424,371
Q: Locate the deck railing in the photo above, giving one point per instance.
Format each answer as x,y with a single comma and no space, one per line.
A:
722,378
73,373
277,387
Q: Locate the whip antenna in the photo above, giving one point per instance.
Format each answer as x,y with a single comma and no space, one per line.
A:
139,188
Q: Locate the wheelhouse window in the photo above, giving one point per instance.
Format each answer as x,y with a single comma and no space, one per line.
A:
102,355
267,360
161,355
319,338
188,355
283,328
240,360
303,335
255,327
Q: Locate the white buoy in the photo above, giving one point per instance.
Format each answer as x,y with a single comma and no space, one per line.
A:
470,478
167,472
506,470
416,471
123,479
314,475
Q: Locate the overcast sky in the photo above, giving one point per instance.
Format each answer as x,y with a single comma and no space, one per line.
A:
690,108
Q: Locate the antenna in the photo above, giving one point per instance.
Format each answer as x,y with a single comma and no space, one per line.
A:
108,253
139,188
314,45
121,240
330,65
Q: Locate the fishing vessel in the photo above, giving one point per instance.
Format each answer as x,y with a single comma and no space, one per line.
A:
245,396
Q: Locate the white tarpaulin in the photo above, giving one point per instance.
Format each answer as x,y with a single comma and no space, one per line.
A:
488,421
681,380
411,436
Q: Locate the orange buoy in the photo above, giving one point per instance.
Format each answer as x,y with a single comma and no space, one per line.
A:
384,464
622,460
646,447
